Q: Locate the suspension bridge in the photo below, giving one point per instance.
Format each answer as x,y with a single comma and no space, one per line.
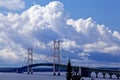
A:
57,66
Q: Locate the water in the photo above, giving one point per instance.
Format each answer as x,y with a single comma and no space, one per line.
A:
38,76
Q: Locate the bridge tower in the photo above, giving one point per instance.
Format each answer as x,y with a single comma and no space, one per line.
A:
30,61
56,55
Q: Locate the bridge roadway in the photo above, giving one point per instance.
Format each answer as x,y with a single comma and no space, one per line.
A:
83,71
22,69
43,64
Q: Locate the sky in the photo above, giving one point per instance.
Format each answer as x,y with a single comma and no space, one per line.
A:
88,30
103,12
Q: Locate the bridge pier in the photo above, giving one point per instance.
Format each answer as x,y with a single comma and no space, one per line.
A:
96,74
110,75
54,73
58,74
104,75
117,76
30,71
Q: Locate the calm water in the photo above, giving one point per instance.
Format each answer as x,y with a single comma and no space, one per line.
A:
38,76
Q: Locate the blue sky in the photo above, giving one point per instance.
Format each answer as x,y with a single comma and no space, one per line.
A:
103,11
88,30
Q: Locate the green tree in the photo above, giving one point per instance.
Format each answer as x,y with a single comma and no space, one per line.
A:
69,70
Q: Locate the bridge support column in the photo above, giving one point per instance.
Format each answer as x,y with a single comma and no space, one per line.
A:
104,75
30,61
110,75
56,55
117,76
96,74
54,66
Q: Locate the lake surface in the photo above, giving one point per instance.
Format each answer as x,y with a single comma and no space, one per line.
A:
38,76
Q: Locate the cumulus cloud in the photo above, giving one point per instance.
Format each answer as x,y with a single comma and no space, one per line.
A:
84,56
98,37
34,27
38,26
12,4
69,44
81,25
102,47
116,34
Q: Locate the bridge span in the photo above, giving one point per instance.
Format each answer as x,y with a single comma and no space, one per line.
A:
83,71
57,66
24,68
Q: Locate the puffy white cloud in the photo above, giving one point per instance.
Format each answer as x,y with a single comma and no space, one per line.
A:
81,25
32,28
38,26
84,56
90,63
11,52
12,4
6,53
102,47
116,34
98,37
68,44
